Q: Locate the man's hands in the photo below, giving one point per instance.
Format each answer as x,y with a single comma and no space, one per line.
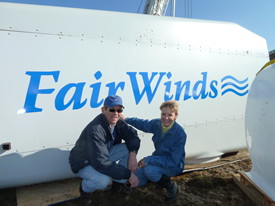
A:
132,162
133,166
133,180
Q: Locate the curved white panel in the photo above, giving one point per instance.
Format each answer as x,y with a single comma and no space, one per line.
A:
260,130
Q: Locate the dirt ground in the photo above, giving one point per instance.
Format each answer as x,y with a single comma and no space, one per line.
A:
205,187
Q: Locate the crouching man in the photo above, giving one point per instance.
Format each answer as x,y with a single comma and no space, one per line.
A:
100,155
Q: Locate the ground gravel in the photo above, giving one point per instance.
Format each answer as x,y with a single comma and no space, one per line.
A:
204,187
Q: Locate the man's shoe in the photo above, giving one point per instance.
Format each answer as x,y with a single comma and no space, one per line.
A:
85,198
121,187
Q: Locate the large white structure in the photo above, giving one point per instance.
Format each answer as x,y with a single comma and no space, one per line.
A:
58,64
260,130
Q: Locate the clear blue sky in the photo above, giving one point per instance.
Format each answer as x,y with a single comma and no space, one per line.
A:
257,16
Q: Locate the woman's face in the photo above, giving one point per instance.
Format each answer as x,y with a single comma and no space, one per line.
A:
167,116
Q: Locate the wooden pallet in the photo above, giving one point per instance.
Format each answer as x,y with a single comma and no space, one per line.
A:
48,193
252,190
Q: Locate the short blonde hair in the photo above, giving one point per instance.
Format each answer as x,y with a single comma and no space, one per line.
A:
172,104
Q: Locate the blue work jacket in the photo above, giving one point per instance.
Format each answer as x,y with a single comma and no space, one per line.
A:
169,149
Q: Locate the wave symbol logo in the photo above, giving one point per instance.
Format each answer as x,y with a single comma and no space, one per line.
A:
240,87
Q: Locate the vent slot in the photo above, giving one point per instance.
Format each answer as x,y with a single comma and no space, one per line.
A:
6,146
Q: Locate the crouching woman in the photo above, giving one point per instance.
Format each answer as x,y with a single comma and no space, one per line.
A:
169,139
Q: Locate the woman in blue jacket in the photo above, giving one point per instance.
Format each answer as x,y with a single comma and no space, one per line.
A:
168,158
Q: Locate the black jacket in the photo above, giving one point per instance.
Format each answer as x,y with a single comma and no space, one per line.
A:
92,147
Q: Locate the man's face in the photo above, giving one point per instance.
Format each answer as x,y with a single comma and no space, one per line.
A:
112,114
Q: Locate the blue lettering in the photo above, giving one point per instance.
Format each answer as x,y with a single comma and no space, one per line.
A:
203,86
179,90
147,85
214,89
113,88
151,82
96,90
34,90
168,88
76,98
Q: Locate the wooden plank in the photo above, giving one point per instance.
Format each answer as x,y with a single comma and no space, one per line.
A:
48,193
252,190
266,197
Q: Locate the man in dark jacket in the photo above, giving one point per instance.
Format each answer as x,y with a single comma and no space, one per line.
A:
99,155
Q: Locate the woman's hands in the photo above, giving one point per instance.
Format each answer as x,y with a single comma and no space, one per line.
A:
123,116
141,163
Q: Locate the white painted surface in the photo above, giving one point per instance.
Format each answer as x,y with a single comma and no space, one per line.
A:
79,45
